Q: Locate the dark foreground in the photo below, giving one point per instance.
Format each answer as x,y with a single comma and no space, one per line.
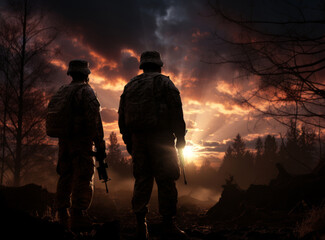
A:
291,207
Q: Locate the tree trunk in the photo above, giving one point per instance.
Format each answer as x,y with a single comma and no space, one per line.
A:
4,139
18,160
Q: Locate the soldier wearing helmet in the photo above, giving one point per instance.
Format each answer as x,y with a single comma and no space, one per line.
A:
150,118
75,165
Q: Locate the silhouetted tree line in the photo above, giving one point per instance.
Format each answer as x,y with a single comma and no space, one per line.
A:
116,161
297,153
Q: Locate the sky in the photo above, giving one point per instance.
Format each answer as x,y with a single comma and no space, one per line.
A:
111,35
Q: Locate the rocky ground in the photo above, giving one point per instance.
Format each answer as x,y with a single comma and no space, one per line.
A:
291,207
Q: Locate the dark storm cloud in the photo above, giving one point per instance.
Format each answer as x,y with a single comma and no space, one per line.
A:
175,28
211,144
182,30
178,29
277,11
215,146
108,26
127,68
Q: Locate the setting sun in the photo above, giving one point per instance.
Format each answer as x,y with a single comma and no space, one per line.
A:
188,152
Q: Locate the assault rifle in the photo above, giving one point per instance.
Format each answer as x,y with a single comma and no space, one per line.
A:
101,169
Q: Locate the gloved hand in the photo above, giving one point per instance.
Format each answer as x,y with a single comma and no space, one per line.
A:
101,153
180,142
100,148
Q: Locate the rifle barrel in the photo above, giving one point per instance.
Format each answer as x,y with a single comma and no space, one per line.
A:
181,156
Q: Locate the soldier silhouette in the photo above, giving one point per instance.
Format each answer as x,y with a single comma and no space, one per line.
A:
74,117
150,117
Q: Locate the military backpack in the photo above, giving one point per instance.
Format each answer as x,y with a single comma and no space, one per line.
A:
59,117
145,107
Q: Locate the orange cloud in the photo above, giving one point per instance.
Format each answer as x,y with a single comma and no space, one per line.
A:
59,63
224,87
131,52
114,85
102,61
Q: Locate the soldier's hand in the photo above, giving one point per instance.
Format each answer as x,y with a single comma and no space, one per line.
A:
101,153
180,142
100,148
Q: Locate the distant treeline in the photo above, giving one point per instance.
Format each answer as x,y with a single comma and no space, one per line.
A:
298,152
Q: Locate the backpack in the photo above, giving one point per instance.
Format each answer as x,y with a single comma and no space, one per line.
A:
143,103
59,117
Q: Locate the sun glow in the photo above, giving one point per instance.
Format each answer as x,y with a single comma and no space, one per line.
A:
189,152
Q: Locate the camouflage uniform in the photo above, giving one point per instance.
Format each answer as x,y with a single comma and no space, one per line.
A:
75,164
153,148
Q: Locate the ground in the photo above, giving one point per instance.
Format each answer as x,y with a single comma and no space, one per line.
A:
200,220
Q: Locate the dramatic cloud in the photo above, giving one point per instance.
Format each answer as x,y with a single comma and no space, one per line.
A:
111,35
109,115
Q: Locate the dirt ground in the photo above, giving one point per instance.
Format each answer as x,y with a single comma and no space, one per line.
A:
192,218
114,219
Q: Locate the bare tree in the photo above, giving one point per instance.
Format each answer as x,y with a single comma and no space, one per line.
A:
286,53
25,54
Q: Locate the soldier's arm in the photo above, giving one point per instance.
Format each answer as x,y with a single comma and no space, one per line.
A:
92,106
126,135
174,103
121,122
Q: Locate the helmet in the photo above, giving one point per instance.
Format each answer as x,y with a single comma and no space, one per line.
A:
150,57
81,66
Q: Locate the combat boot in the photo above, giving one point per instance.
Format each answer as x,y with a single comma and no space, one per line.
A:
63,216
79,221
171,231
141,229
